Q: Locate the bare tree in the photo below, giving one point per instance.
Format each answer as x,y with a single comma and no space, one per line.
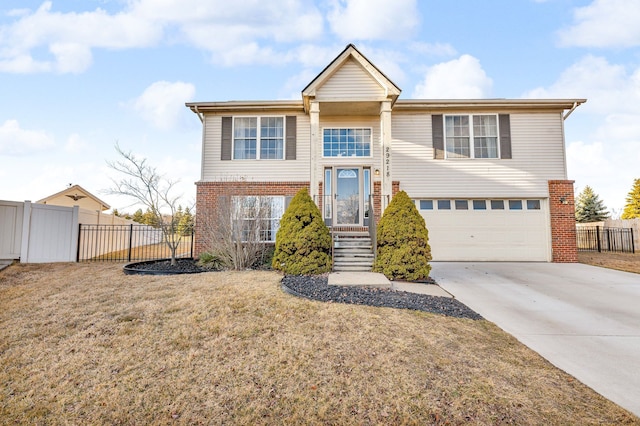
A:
236,230
143,183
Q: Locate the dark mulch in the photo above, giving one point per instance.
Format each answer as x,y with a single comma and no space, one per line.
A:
316,288
164,267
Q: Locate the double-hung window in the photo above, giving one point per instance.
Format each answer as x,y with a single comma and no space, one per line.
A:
257,218
258,138
471,136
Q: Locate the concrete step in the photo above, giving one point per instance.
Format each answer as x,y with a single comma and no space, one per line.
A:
350,255
351,234
352,243
352,268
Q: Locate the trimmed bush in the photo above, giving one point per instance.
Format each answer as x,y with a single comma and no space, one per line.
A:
303,242
403,251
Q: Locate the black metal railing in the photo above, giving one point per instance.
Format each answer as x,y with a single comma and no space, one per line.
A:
126,243
372,227
601,239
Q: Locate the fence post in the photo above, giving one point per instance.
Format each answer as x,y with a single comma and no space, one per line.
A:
633,246
193,231
598,238
79,237
130,241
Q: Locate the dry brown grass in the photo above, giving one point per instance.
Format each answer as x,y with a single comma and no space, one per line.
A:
86,344
621,261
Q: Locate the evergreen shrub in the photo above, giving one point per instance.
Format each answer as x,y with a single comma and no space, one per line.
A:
403,251
303,242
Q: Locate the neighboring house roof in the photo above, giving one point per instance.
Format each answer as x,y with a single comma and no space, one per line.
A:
75,193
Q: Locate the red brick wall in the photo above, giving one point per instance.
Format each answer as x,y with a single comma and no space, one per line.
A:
563,221
208,192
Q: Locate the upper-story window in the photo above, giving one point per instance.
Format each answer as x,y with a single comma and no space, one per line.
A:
258,138
471,136
352,142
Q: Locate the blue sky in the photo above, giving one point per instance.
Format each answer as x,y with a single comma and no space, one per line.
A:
77,76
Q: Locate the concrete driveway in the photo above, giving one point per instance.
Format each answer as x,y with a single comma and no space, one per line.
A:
583,319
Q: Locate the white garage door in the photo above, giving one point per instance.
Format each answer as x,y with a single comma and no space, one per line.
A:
487,230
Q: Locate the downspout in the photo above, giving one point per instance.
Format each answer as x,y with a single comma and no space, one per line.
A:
199,114
575,105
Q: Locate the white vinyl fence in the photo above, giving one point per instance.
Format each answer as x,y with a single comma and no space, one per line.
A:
41,234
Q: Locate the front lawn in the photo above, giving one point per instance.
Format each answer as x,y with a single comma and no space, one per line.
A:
86,344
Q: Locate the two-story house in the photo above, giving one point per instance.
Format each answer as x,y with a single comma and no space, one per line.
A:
488,175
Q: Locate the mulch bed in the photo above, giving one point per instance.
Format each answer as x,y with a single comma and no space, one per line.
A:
316,288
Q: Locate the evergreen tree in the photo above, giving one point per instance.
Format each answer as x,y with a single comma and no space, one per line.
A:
589,207
303,242
632,207
185,222
138,216
403,250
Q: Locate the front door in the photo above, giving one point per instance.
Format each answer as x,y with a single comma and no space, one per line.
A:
347,196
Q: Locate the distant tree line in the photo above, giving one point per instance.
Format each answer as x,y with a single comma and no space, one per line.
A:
183,217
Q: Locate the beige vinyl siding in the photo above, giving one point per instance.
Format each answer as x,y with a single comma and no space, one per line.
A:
350,82
214,169
537,147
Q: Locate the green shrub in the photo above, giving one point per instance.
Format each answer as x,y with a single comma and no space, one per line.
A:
265,257
403,250
211,261
303,242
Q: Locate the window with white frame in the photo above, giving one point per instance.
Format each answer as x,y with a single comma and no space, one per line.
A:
471,136
258,138
257,218
352,142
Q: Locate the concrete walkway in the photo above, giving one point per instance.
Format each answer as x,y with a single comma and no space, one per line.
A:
5,263
583,319
375,280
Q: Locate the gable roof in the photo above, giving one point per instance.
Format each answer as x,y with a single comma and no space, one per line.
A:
73,191
350,52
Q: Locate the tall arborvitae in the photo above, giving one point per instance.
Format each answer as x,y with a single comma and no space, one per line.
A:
632,207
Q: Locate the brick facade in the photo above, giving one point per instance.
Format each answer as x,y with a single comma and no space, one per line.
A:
208,193
563,221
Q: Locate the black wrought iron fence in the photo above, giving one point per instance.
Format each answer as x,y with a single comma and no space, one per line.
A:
126,243
601,239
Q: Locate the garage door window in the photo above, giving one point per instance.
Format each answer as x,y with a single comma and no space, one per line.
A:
479,204
515,204
426,204
444,204
533,204
497,204
462,205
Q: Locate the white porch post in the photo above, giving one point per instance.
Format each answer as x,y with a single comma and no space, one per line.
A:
314,118
385,142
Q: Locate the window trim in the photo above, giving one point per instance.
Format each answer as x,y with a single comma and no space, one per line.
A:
258,138
370,129
472,146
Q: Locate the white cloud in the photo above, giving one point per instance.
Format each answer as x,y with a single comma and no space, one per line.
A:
231,31
461,78
604,23
17,141
609,88
373,19
162,103
69,38
75,144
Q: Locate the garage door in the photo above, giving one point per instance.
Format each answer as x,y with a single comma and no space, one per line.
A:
487,230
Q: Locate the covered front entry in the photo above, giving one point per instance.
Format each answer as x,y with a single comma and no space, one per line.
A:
347,191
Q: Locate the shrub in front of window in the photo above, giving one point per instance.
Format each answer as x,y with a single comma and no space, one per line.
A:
403,251
303,242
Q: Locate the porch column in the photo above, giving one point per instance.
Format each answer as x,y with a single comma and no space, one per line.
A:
385,142
314,118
